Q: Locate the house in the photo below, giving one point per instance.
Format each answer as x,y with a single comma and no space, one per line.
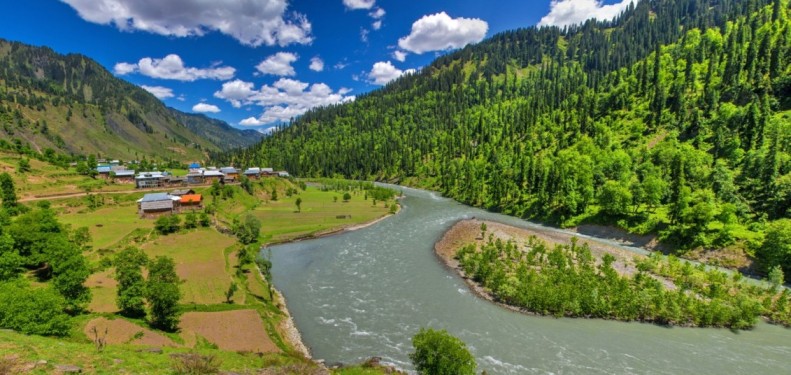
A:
191,202
195,178
149,180
104,171
231,174
181,192
282,174
194,167
252,173
156,204
123,176
171,180
267,171
213,175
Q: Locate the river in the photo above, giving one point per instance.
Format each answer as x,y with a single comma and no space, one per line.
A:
366,293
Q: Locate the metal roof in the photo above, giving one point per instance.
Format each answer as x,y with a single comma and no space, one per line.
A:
213,174
228,170
156,197
158,205
124,173
104,169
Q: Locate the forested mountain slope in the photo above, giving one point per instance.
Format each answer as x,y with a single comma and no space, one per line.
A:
71,104
675,118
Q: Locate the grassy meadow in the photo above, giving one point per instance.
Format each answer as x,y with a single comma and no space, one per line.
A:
207,261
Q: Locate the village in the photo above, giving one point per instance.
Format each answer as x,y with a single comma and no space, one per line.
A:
181,198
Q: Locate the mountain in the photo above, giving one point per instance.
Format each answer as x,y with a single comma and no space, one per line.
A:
71,104
671,119
216,131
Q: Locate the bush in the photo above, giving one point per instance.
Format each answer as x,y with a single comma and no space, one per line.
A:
36,311
196,364
439,353
167,224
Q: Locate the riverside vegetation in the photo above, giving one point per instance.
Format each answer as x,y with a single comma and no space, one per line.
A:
87,276
566,280
673,119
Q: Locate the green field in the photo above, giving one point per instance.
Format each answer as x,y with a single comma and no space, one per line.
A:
199,262
207,261
281,220
107,225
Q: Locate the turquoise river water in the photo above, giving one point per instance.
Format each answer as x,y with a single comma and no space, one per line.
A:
367,292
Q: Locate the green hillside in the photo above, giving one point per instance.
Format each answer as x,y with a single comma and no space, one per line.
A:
672,119
72,105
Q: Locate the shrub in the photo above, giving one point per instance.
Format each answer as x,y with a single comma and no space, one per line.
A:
196,364
439,353
36,311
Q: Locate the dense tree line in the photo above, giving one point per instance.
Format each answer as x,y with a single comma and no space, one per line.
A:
569,281
33,241
673,118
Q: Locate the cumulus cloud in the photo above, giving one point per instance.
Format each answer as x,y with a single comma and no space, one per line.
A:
439,32
359,4
316,64
172,67
205,108
572,12
159,91
399,55
384,72
376,25
278,64
283,100
251,22
123,68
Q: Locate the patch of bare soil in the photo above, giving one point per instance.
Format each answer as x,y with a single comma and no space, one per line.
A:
238,330
120,331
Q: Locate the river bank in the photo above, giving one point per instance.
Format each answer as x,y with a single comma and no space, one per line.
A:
468,231
292,334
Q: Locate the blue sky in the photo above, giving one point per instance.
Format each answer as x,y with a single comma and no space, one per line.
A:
254,63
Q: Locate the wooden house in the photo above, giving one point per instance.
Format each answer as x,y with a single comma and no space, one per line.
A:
181,192
231,174
149,180
156,204
191,202
123,176
252,173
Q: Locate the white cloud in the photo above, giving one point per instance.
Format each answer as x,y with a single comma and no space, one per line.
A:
384,72
172,67
376,25
251,22
364,35
123,68
251,121
316,64
439,32
235,92
359,4
572,12
205,108
283,100
399,55
159,91
340,65
278,64
377,13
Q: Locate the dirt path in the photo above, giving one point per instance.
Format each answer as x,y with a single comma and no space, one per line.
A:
82,194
